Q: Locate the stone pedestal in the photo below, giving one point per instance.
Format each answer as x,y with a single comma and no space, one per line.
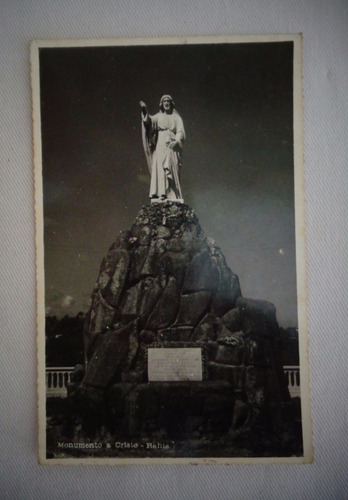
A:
165,284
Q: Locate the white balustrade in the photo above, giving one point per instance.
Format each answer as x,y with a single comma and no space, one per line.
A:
57,380
292,374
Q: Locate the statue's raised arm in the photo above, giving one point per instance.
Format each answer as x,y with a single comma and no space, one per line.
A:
163,138
143,108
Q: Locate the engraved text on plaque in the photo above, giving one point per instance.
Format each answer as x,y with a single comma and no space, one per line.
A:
174,364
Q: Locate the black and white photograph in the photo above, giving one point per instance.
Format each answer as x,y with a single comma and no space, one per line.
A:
171,293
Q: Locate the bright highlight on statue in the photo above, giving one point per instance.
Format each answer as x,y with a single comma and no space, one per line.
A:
163,136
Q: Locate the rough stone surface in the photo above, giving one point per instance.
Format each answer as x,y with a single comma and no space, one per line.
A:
175,264
229,354
259,352
177,409
141,299
147,336
89,339
193,307
201,274
229,288
231,349
257,316
138,260
113,275
113,354
205,331
101,314
240,414
235,375
232,320
166,308
176,334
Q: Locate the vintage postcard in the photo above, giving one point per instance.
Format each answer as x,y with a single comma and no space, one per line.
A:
170,251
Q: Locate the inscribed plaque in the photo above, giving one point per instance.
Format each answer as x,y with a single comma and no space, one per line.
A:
174,364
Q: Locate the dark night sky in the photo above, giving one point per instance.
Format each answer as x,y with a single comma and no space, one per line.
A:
237,106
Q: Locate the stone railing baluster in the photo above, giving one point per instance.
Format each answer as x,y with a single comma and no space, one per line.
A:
292,374
57,380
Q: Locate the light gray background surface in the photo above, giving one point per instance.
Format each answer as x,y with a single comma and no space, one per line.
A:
324,26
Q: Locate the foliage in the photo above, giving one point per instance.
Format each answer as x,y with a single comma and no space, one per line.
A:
64,340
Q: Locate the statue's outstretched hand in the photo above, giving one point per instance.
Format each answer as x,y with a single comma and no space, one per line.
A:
143,107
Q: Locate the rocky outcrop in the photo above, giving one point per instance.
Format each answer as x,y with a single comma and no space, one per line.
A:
164,273
164,283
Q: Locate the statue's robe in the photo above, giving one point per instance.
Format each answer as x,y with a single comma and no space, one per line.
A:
164,163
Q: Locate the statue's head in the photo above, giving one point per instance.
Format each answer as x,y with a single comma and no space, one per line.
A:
166,103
